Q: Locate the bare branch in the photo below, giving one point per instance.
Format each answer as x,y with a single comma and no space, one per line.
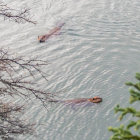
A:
14,73
10,124
19,16
13,84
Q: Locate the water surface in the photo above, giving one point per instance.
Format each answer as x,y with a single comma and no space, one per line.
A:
95,54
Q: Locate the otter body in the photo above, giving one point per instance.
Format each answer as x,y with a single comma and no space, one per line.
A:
80,100
43,38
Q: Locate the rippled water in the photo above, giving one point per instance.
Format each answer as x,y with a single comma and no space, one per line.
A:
96,52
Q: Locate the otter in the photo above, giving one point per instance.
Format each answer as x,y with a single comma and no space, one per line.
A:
43,38
95,99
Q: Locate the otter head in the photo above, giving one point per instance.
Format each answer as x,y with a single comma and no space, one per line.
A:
41,39
95,99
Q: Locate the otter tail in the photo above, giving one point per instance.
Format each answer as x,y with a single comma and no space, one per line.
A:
61,25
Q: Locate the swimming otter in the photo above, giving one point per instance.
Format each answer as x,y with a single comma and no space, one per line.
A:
43,38
95,99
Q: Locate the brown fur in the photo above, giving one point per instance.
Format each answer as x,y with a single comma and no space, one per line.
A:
95,99
43,38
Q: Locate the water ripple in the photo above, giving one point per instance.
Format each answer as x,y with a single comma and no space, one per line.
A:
96,52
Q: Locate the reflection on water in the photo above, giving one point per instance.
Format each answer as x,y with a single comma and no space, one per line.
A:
95,54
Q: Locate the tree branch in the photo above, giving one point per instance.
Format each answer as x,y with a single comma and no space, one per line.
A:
19,16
